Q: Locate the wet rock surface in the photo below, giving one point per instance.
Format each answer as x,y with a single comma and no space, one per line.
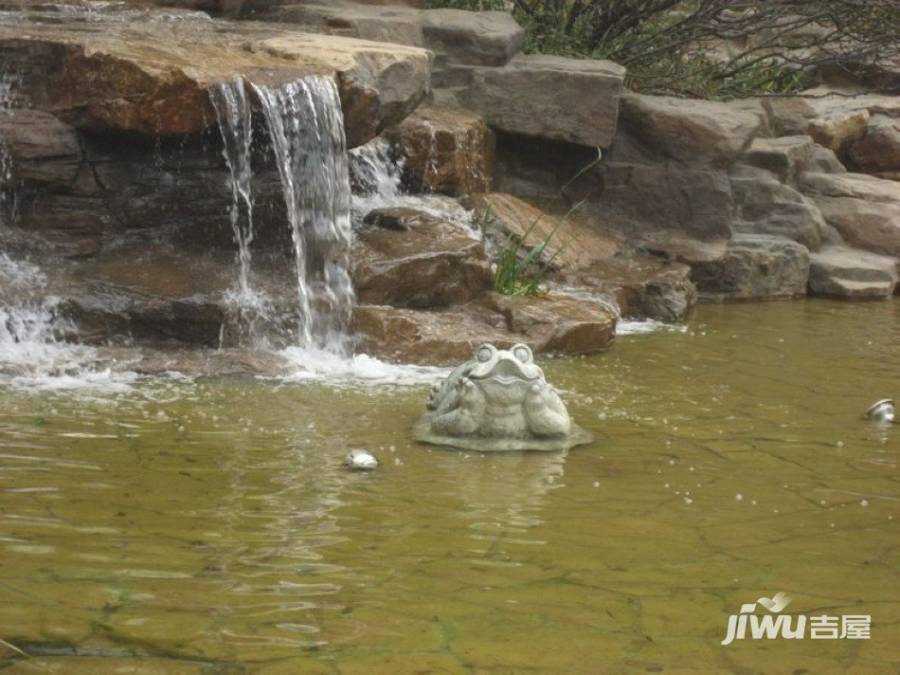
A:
444,150
149,72
418,261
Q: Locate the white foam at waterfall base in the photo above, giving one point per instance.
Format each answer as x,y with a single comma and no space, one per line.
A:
32,352
319,365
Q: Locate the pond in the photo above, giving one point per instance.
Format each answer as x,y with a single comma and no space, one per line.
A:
179,526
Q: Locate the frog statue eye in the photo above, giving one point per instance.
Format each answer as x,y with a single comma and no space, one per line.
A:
484,354
522,353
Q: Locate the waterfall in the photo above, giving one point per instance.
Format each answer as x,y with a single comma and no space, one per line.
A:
236,126
306,128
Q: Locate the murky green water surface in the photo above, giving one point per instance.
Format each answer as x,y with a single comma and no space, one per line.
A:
209,527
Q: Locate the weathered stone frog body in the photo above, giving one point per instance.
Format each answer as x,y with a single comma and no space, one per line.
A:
498,401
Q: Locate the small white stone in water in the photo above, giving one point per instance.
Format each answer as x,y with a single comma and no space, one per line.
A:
822,502
596,483
831,524
690,468
753,502
840,444
864,503
688,500
181,429
361,460
397,461
739,497
671,461
393,448
677,492
890,517
666,485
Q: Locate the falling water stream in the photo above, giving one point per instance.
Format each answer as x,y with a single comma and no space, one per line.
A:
306,127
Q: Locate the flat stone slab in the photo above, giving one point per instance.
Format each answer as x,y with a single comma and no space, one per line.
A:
130,70
841,272
552,97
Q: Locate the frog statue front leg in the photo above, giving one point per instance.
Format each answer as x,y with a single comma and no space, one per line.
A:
545,413
467,412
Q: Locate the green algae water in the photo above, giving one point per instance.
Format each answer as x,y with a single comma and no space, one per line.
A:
208,526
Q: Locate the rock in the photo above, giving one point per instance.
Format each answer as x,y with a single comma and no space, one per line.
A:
838,130
642,200
763,205
557,323
755,267
573,243
864,209
155,80
446,151
361,460
552,97
41,148
879,149
463,37
692,131
785,157
821,160
477,38
397,25
550,323
430,263
429,338
643,286
841,272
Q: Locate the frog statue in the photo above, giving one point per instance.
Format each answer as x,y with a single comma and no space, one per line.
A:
498,401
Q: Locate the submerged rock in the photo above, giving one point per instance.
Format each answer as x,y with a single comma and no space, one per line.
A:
498,401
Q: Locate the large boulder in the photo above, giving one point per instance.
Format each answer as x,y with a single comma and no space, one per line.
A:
408,258
692,131
841,272
551,97
864,209
645,200
642,286
476,38
445,151
755,267
763,205
151,74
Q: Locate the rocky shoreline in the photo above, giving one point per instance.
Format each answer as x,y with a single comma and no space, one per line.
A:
115,187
